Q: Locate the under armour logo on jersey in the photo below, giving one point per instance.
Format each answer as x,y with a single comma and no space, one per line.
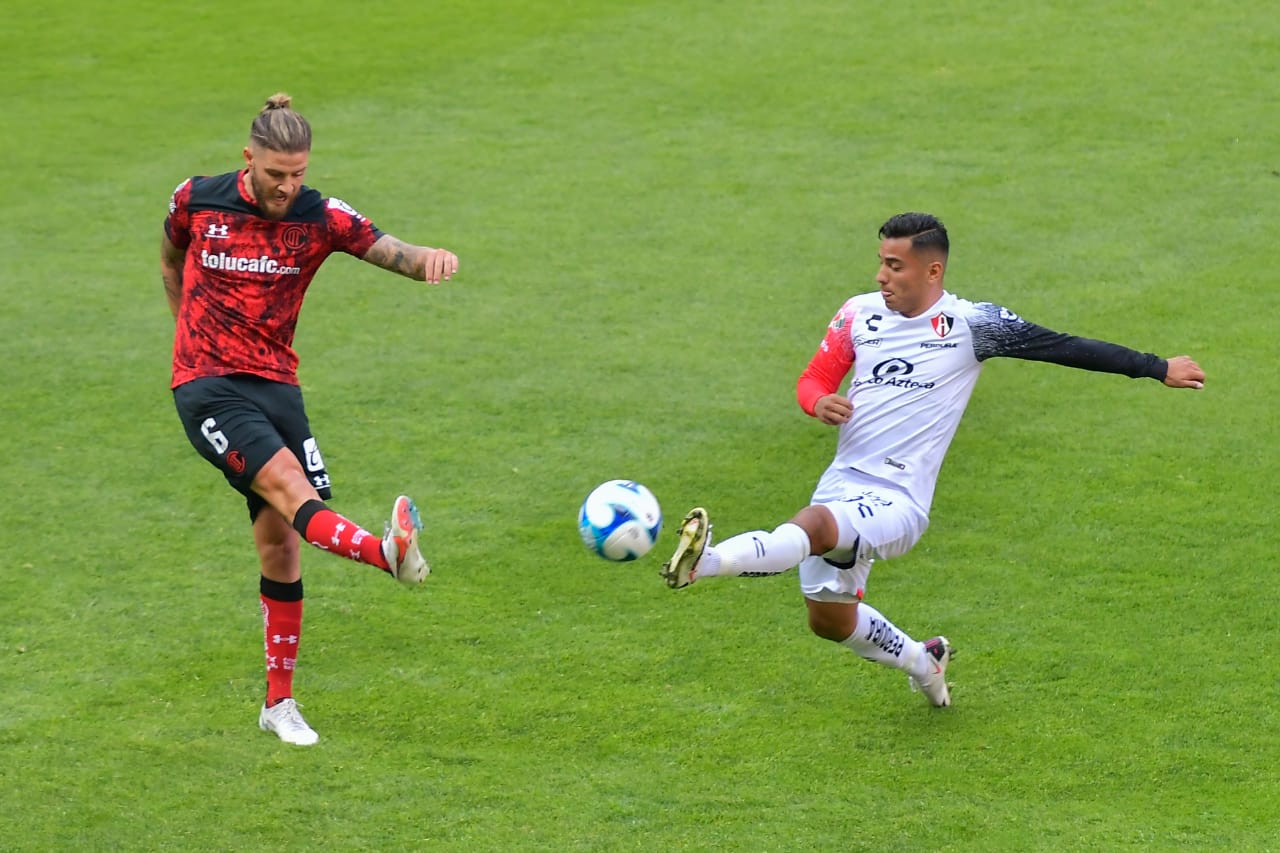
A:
217,232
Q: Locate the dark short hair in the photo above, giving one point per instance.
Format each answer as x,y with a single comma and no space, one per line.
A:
925,230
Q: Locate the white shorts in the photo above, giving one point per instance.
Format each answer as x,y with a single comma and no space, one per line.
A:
876,521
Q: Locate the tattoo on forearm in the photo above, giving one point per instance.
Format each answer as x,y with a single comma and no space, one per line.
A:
394,254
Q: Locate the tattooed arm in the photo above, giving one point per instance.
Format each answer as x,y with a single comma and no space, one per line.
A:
171,260
417,262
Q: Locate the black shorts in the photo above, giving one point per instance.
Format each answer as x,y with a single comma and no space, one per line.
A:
239,422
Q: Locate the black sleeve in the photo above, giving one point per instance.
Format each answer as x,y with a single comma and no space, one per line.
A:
998,332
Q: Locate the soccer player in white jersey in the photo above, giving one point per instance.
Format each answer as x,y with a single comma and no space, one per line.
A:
915,351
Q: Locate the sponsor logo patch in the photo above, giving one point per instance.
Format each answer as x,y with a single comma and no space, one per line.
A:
238,263
893,373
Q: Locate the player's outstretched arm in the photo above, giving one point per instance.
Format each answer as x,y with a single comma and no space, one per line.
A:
420,263
171,260
1184,373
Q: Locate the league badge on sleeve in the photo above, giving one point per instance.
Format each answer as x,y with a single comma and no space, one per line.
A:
339,204
173,197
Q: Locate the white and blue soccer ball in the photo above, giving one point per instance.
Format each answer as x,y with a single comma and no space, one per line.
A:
620,520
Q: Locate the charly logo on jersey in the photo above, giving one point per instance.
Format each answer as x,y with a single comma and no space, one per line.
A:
240,263
865,341
941,324
893,373
1008,316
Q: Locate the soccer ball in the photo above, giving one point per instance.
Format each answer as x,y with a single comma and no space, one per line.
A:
620,520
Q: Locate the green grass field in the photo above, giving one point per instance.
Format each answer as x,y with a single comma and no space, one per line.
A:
658,206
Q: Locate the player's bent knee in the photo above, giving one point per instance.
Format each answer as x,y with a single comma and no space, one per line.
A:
832,621
820,525
283,483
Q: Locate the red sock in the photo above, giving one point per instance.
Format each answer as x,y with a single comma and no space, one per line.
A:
281,628
326,529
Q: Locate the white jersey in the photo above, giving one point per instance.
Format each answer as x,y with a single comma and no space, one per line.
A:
913,376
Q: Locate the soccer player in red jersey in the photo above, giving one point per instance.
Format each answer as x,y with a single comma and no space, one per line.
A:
238,253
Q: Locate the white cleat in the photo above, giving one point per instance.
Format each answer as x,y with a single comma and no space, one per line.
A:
681,569
937,651
400,543
286,721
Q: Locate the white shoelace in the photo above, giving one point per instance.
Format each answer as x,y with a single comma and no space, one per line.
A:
287,716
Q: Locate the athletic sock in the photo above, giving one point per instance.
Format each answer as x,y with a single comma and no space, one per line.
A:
756,552
281,627
878,639
326,529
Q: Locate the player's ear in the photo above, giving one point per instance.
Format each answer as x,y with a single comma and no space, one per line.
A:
248,156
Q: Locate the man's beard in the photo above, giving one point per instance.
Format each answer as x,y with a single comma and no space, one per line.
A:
263,195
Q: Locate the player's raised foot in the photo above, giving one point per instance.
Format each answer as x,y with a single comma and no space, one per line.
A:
286,721
938,651
681,569
400,543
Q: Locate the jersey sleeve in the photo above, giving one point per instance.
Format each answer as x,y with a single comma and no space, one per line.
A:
349,231
177,225
998,332
830,364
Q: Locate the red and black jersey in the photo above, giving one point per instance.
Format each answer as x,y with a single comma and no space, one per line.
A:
245,275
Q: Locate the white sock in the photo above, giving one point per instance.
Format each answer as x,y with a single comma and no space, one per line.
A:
756,552
878,639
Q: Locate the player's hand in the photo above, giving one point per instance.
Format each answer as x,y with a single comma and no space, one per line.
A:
1184,373
833,409
439,265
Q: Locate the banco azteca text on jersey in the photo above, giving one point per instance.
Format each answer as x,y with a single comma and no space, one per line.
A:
913,376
